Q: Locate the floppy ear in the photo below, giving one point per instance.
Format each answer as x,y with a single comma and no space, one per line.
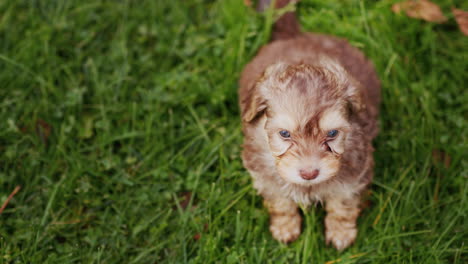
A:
255,102
253,105
354,98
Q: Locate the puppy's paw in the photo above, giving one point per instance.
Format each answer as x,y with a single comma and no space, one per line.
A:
341,237
285,228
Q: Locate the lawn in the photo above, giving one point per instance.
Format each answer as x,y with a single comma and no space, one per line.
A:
119,121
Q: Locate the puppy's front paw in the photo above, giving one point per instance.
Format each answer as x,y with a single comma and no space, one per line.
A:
341,237
285,228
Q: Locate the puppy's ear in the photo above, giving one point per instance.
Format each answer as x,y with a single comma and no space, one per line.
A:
254,105
351,87
354,98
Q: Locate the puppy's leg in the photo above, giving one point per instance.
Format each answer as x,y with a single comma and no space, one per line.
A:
340,222
285,220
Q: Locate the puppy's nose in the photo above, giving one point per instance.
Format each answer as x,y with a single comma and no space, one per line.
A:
309,174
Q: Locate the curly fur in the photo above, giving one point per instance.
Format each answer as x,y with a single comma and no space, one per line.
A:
309,84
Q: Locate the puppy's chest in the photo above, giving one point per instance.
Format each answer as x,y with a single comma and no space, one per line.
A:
308,195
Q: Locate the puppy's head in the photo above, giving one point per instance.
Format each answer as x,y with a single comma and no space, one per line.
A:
308,111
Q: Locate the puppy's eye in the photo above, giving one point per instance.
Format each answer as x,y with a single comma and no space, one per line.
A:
285,134
332,133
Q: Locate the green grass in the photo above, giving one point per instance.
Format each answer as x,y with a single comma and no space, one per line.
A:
113,112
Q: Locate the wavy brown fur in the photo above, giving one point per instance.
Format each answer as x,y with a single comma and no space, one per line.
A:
309,84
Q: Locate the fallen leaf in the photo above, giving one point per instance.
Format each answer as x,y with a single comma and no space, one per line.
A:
185,199
197,236
439,156
43,130
248,2
421,9
462,19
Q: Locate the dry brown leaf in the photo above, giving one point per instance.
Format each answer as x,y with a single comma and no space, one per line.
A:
197,236
43,130
248,2
184,201
421,9
462,19
441,157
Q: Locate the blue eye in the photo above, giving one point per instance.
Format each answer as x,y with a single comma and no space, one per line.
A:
332,133
285,134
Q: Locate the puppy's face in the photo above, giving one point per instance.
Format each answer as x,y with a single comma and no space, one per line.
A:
308,110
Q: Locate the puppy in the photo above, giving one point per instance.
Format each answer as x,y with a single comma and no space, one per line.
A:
309,106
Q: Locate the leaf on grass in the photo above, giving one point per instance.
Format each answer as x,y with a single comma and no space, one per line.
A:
462,19
43,130
248,2
197,236
421,9
439,156
185,199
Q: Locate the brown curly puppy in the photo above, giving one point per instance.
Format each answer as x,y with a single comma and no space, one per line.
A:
309,107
